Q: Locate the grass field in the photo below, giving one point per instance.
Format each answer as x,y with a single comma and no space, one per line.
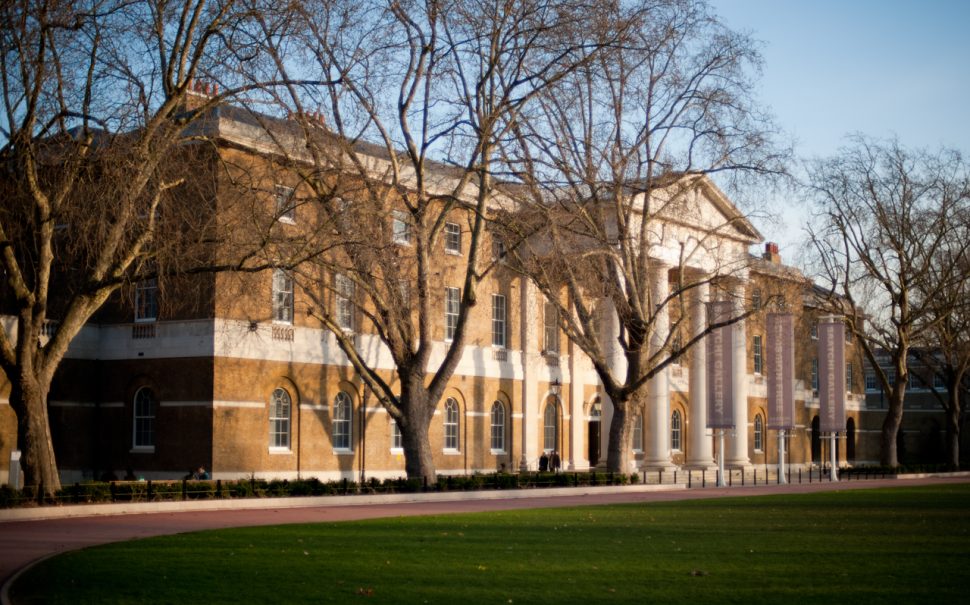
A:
902,545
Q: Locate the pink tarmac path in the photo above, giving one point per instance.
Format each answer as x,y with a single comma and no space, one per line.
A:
23,542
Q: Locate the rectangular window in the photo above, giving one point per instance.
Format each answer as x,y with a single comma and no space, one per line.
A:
400,228
871,382
452,238
452,305
282,297
498,248
756,299
550,329
344,302
848,376
397,442
146,300
758,359
285,206
499,328
815,374
891,376
938,382
814,331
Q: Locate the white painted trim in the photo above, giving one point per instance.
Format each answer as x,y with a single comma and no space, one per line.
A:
280,451
221,403
315,407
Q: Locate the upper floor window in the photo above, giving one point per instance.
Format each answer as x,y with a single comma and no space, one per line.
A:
146,300
400,227
550,328
282,297
143,425
279,419
344,302
758,357
814,331
871,382
499,327
815,373
938,382
759,434
498,248
452,305
451,424
453,238
756,299
848,376
285,208
342,421
498,427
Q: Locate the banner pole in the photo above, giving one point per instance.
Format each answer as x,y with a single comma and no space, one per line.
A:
721,481
833,457
781,457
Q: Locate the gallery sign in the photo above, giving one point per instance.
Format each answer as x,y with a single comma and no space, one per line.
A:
720,367
831,374
781,371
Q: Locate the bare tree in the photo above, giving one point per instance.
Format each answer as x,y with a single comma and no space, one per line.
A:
944,347
416,97
614,163
885,215
95,127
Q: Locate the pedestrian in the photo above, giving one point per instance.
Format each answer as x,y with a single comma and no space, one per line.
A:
543,462
555,462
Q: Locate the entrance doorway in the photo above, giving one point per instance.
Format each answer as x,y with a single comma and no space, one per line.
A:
593,434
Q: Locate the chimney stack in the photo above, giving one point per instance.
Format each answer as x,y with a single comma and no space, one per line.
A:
771,253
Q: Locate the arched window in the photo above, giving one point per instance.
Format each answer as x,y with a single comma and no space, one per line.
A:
759,433
498,427
675,426
143,427
342,421
279,419
638,432
451,424
550,426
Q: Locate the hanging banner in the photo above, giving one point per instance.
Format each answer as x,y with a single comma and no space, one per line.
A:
720,368
831,374
781,371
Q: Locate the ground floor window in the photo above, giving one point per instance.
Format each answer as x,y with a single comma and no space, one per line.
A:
279,419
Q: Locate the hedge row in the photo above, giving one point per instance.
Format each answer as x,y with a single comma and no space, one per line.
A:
157,491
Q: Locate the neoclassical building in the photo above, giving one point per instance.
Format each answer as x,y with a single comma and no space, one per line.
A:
245,381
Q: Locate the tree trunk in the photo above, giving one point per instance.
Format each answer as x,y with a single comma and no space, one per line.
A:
890,429
28,398
618,449
953,429
418,460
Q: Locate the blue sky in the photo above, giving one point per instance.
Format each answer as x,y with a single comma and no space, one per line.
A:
879,67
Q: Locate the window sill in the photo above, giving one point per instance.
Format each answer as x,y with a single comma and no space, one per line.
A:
343,452
287,220
145,320
452,452
397,450
280,451
498,452
453,252
142,449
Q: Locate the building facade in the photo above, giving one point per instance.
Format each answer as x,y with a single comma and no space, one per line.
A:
244,381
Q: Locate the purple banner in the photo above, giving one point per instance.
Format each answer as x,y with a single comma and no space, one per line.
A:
720,368
831,375
781,371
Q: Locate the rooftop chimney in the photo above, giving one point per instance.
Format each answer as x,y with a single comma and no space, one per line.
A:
771,253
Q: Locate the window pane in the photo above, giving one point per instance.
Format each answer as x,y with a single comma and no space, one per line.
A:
756,348
550,429
146,300
285,207
342,421
400,228
638,433
451,424
498,321
344,302
452,304
498,426
550,321
144,418
282,296
279,419
453,238
675,426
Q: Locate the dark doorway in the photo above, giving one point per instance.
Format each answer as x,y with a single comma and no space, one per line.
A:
816,440
593,434
850,440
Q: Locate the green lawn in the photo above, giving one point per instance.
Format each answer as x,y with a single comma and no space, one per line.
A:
901,545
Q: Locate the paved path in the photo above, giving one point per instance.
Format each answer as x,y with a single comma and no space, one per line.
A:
22,542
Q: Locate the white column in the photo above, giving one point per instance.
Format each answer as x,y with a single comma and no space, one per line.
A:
617,361
657,419
700,451
577,415
528,302
737,453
